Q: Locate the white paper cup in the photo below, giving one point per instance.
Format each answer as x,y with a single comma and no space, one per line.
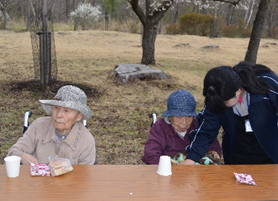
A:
164,166
12,165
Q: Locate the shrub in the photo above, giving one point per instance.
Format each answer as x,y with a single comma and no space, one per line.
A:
195,24
275,33
216,31
63,26
172,29
17,25
237,30
126,25
1,15
246,33
230,31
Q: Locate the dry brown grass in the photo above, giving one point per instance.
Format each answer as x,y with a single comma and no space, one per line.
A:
120,120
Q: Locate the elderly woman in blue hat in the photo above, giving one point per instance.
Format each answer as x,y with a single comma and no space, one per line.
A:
59,134
170,135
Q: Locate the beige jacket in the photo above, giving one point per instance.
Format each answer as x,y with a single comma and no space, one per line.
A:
39,141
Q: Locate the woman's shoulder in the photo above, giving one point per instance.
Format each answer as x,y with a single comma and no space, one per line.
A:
271,79
269,76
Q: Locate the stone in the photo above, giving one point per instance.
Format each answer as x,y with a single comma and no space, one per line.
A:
270,43
127,72
211,46
182,45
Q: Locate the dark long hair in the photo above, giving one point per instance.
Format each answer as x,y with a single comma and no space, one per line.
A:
249,73
220,84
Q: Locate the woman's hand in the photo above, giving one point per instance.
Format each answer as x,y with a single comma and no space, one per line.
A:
27,159
188,162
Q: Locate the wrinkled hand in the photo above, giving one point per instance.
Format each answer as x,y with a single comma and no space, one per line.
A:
27,159
188,162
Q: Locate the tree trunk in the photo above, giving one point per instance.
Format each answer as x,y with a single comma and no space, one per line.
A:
230,15
75,25
272,18
247,21
67,10
148,42
45,48
213,25
107,21
176,14
150,22
254,42
28,17
5,14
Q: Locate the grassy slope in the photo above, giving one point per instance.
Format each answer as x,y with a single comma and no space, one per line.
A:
120,120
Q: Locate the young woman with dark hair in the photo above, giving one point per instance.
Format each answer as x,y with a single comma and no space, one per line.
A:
243,100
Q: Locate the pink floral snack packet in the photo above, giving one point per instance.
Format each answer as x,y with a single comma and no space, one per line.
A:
245,179
40,169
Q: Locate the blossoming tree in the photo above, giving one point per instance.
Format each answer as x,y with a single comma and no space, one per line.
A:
85,15
155,10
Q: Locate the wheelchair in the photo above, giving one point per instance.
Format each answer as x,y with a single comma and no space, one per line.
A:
28,114
153,116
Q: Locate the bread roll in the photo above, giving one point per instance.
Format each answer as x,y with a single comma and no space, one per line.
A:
59,166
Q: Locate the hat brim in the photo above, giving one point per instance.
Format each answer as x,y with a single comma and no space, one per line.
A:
178,113
84,109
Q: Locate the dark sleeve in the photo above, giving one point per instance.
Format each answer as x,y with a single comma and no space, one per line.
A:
155,144
272,80
204,138
215,147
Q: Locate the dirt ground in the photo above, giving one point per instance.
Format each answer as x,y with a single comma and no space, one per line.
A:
120,121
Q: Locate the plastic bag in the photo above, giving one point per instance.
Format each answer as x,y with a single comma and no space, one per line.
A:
59,166
39,169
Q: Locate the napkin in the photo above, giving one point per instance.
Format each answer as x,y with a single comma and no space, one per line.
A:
245,179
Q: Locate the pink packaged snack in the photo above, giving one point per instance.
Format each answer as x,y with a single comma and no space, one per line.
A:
39,169
245,179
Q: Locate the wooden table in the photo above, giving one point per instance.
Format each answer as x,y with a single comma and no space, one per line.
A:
141,182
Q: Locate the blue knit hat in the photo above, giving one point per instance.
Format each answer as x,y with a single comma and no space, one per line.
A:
180,103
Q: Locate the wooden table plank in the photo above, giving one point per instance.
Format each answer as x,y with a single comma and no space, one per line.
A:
141,182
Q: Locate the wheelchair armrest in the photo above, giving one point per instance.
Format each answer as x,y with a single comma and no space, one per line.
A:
85,123
154,118
26,120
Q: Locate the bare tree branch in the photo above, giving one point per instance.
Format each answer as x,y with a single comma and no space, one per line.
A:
32,7
230,2
7,3
159,12
137,9
1,6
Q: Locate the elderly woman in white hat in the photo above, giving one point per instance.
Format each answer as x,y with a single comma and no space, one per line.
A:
170,135
60,134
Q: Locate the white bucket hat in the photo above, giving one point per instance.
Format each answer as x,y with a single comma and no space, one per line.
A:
70,97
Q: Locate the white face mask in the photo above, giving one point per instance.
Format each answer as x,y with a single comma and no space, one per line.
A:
181,133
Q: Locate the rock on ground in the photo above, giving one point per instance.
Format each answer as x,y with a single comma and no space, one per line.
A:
127,72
